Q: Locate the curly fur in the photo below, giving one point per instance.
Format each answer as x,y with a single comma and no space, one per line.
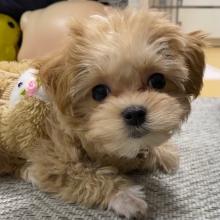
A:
79,148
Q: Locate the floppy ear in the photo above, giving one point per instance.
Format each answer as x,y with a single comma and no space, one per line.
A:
54,78
58,70
195,60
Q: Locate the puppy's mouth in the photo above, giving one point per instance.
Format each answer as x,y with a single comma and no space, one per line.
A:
137,132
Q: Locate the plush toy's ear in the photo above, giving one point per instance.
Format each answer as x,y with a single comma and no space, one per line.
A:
195,60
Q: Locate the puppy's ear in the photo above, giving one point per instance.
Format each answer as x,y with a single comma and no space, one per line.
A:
55,79
195,61
58,70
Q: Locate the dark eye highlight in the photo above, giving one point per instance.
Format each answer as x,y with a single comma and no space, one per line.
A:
157,81
100,92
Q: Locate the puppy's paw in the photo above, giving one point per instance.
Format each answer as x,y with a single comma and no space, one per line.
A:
168,159
26,175
129,203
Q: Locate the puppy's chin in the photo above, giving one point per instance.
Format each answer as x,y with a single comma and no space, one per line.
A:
108,133
130,147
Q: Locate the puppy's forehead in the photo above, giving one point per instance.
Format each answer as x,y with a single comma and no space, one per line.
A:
126,48
132,38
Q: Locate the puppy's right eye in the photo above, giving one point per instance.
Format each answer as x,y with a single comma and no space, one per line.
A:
100,92
157,81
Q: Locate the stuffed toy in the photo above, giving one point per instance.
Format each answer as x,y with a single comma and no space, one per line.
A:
44,30
17,80
9,37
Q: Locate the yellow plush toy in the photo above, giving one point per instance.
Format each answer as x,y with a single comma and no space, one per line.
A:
9,37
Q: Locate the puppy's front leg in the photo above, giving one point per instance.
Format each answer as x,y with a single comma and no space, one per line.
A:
87,185
164,157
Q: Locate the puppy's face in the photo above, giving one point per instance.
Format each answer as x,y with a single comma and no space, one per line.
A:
125,82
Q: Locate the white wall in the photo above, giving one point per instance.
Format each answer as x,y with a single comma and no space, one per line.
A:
138,3
201,2
207,20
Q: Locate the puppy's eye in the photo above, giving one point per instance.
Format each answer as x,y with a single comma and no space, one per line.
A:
157,81
100,92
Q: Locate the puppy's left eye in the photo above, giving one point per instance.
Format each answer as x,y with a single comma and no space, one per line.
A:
100,92
157,81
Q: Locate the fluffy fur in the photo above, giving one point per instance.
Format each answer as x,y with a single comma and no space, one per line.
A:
79,148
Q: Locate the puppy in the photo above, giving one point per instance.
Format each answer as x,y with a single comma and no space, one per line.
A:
112,99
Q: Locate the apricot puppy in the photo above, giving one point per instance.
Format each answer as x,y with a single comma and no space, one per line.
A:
106,105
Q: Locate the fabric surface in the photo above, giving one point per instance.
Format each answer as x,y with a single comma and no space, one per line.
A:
192,193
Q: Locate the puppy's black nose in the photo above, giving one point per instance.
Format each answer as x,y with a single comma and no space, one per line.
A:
134,115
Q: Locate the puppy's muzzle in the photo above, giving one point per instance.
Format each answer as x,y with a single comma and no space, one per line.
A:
134,115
